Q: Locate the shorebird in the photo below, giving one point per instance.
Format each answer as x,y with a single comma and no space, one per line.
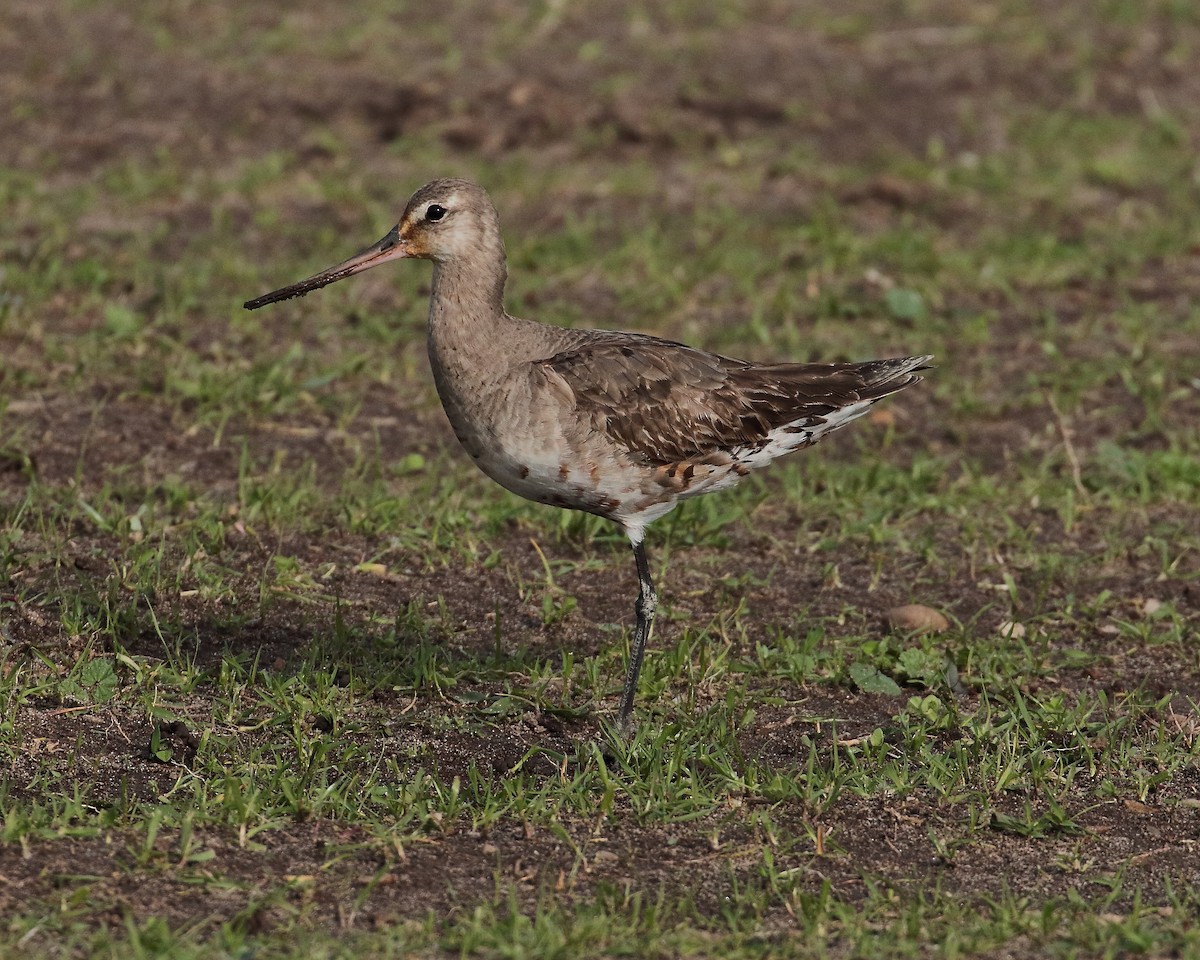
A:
621,425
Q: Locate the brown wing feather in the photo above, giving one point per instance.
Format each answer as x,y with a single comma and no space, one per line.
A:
668,402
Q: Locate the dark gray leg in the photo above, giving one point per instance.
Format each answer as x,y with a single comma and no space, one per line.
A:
647,601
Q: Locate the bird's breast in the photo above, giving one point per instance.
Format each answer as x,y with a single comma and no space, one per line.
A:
532,444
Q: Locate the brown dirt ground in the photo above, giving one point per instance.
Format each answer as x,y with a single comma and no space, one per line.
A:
122,97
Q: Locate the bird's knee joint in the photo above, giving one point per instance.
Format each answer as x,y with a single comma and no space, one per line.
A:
647,603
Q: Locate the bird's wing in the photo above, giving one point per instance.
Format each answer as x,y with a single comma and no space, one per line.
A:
667,402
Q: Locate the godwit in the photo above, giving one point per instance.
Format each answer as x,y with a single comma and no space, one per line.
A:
617,424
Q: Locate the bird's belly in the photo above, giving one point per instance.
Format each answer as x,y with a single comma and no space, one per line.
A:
529,444
551,472
520,439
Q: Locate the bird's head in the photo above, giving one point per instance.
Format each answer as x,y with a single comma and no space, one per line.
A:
444,221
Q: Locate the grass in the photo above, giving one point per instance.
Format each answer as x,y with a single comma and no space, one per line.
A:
280,675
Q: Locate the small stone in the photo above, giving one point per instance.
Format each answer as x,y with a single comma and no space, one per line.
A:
917,618
489,849
1151,607
1012,630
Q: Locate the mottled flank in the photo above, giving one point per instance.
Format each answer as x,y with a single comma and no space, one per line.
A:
617,424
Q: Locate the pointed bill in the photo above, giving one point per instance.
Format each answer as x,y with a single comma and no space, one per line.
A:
391,247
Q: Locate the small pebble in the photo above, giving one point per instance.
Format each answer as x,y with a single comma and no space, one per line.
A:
917,618
1012,630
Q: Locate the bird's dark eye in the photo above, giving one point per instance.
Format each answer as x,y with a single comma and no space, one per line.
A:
434,212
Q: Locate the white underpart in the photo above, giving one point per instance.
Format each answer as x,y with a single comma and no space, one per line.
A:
785,439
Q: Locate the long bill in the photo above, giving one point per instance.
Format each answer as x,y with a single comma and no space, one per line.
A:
391,247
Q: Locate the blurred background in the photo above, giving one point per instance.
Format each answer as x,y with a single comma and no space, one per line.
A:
806,179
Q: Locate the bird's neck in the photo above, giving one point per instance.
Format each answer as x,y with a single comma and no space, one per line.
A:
468,328
475,284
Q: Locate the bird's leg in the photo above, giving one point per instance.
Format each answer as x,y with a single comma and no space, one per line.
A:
647,601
